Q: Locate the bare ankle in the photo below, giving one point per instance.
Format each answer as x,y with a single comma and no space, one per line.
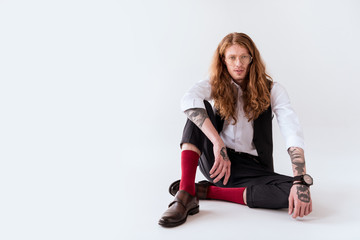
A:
244,196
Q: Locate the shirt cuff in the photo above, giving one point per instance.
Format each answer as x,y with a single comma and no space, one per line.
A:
193,103
295,141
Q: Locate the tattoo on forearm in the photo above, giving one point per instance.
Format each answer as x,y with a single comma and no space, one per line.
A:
223,153
296,154
197,116
299,168
298,160
303,193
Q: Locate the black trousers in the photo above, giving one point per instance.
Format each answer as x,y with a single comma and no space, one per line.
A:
265,189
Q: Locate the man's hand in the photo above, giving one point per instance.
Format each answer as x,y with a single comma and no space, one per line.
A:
222,164
300,203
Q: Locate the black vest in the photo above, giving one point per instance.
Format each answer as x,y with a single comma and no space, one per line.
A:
262,138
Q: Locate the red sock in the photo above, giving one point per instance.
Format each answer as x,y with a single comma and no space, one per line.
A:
228,194
189,162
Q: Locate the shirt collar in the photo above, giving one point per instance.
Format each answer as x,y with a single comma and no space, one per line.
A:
239,90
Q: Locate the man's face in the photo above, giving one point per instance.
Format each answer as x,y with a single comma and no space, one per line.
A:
237,60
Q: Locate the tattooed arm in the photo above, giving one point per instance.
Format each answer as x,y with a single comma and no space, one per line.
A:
197,116
300,203
222,165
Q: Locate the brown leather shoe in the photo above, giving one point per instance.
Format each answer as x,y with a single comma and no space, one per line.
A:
200,187
183,205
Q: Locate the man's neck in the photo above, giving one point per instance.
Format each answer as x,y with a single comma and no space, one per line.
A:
240,83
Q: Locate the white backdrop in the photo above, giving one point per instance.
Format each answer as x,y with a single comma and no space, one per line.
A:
90,120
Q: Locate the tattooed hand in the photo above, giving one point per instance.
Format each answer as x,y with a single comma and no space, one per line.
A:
300,203
222,164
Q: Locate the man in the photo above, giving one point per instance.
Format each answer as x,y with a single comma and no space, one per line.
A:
231,141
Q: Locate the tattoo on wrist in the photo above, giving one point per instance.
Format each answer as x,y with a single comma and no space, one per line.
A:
197,116
303,193
223,153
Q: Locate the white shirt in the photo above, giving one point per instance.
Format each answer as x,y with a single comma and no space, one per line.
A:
239,136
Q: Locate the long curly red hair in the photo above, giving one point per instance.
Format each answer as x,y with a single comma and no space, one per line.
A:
256,88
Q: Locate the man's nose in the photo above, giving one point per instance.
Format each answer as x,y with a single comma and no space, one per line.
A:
238,62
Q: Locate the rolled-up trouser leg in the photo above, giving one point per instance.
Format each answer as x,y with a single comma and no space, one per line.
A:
273,195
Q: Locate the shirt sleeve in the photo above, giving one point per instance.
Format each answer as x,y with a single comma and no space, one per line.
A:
195,96
286,117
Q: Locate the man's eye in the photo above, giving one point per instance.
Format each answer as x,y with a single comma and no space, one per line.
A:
232,58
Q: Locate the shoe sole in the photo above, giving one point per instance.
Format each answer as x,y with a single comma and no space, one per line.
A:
192,211
174,187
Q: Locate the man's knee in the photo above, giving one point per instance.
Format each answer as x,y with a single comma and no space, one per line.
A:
190,146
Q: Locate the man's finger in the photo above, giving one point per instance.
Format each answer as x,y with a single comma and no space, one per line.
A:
217,171
291,204
214,167
307,210
219,176
296,210
302,211
227,176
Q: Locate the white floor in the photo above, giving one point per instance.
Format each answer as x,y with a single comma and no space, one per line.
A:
79,186
107,196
